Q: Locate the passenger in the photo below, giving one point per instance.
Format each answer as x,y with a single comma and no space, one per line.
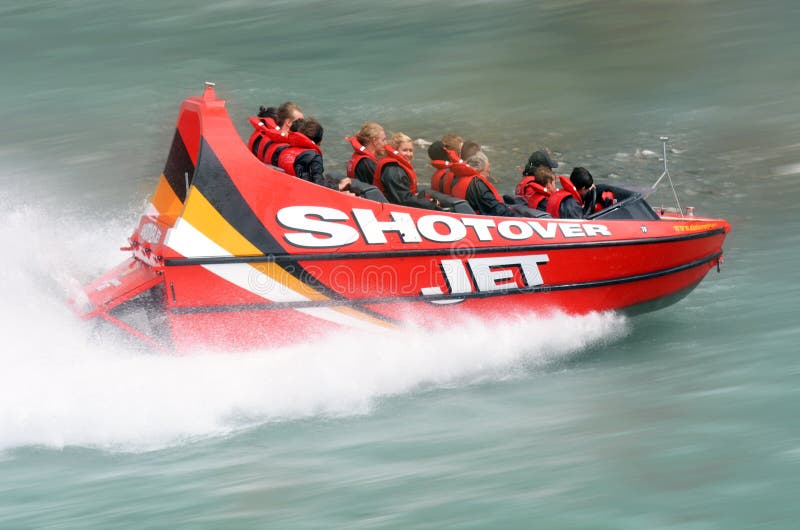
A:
303,157
568,202
268,112
478,191
469,149
266,140
437,152
593,198
598,198
539,158
395,176
271,126
545,177
469,181
583,181
368,144
264,132
538,187
286,114
453,142
273,148
603,199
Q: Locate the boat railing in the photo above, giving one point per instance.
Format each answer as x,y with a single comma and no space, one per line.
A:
665,173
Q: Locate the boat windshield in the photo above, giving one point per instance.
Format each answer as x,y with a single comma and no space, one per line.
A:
629,205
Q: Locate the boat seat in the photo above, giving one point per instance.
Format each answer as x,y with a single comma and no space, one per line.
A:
367,191
527,211
448,201
520,205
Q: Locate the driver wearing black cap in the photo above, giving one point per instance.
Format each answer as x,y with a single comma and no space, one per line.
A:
539,158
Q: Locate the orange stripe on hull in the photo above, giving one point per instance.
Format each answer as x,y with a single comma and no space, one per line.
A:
166,203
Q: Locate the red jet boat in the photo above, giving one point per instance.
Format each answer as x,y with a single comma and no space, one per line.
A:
234,253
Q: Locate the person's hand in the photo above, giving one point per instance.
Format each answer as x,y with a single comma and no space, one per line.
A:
344,184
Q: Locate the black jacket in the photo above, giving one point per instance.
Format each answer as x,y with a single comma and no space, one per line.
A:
309,166
397,188
483,200
365,170
570,209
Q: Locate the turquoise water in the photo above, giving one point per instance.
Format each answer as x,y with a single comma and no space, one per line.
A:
684,418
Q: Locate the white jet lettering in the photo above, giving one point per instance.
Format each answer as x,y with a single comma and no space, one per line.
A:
596,230
373,230
571,230
544,233
322,227
301,218
456,231
455,276
515,230
481,227
490,274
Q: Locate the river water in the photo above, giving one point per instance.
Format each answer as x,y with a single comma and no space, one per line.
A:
683,418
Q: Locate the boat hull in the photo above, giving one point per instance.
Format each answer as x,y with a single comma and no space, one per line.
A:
235,254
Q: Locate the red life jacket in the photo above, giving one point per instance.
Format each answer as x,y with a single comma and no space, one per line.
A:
256,138
265,139
272,151
459,176
555,200
393,156
298,143
359,153
606,199
533,192
438,177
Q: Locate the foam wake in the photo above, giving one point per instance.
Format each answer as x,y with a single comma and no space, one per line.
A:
60,386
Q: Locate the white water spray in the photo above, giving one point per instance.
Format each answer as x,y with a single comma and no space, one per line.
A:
60,387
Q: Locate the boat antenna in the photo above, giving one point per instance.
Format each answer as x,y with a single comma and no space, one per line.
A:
664,140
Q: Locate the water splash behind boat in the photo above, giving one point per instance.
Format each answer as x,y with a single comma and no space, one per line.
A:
62,384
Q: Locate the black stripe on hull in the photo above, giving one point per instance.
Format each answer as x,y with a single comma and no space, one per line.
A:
179,167
338,256
298,271
660,303
216,185
458,297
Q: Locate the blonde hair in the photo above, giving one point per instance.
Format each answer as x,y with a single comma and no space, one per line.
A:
369,131
286,112
399,138
452,142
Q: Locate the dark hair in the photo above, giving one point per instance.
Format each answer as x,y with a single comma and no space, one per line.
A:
436,151
312,128
267,112
541,158
581,178
468,149
538,159
530,169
